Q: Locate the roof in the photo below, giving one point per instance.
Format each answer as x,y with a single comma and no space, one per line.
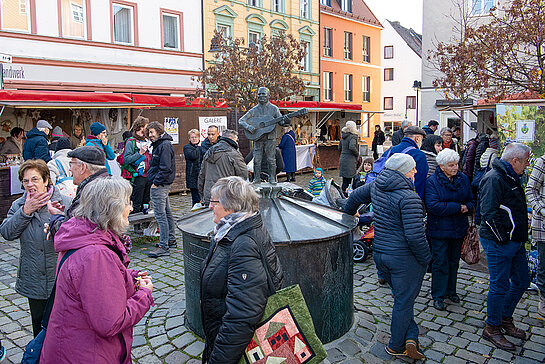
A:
412,38
360,12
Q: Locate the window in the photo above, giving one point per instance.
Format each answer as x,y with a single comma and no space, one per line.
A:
15,15
253,38
304,9
328,82
306,59
73,18
366,88
123,24
388,74
171,31
225,31
327,42
253,2
411,102
366,49
347,87
388,52
346,5
388,103
481,7
347,45
277,5
325,2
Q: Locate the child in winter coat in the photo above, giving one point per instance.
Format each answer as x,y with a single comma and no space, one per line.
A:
317,183
364,174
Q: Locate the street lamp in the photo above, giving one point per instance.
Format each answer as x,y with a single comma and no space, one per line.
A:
417,85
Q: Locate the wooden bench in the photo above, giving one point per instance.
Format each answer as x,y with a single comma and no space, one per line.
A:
139,217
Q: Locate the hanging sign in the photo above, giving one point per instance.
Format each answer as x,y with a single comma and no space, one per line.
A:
206,121
525,130
171,127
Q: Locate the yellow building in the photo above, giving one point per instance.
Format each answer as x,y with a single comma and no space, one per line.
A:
251,19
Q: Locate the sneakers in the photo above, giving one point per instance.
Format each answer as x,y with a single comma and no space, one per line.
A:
159,252
172,244
541,306
412,350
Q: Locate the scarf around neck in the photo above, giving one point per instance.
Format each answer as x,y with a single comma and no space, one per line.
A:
227,223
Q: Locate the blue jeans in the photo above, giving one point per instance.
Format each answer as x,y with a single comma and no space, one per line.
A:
509,278
405,275
163,215
444,272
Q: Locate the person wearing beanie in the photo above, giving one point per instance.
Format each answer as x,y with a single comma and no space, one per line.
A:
60,173
400,248
349,154
316,183
55,135
99,139
36,146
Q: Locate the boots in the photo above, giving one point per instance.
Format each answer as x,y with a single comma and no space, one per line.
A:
495,336
508,328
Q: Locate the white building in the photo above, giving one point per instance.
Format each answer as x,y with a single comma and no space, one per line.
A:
402,65
102,45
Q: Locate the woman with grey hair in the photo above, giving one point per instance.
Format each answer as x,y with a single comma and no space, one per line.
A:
235,276
449,203
98,300
448,142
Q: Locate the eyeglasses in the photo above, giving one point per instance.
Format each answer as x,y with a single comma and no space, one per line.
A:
34,180
72,163
215,202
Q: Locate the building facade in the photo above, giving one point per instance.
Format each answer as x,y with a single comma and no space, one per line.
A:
251,19
350,60
401,66
102,45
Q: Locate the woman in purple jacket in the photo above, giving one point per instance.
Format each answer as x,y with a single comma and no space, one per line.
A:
98,299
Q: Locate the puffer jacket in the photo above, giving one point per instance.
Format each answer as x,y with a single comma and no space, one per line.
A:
37,260
469,158
444,199
349,155
488,157
503,209
192,156
162,169
234,289
484,143
222,160
431,158
36,146
62,177
399,215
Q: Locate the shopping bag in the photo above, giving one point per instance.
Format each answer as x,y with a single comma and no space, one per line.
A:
470,246
285,332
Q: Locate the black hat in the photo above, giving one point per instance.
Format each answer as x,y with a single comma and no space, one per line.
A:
433,123
414,130
88,154
62,143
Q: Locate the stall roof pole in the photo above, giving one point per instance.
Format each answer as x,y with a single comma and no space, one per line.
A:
2,111
325,119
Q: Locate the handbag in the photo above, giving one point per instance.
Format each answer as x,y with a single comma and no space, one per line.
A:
286,331
33,349
471,253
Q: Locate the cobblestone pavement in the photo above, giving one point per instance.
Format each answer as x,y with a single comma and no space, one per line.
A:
451,336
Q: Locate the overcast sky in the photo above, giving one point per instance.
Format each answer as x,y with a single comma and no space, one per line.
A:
407,12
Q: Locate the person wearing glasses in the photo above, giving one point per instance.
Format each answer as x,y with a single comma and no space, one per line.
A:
25,221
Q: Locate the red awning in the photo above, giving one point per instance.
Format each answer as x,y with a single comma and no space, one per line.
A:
315,106
177,101
61,96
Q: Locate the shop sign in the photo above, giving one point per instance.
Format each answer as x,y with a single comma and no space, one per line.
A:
525,130
206,121
5,58
171,127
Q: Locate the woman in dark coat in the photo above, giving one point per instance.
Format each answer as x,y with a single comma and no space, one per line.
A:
378,139
349,154
432,145
289,155
234,284
449,202
193,164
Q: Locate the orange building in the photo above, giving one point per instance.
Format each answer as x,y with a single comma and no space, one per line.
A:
350,61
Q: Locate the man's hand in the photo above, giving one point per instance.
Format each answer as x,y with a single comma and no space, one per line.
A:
55,208
143,149
34,203
464,209
153,186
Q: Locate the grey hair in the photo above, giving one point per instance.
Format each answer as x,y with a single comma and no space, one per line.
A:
228,133
446,130
193,131
93,168
515,150
405,123
447,155
42,129
103,201
236,194
350,127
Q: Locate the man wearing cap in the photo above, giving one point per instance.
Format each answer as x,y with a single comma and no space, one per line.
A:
55,135
431,127
410,144
36,146
99,139
87,164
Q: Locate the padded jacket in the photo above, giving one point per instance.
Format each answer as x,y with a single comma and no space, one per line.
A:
162,169
234,289
192,156
444,199
469,157
36,146
419,157
399,215
504,214
349,155
93,141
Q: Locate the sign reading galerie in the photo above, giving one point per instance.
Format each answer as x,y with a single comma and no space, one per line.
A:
206,121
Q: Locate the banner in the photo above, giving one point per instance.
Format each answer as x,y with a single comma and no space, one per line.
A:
206,121
171,128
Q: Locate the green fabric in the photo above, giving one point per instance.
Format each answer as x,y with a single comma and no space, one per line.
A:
293,297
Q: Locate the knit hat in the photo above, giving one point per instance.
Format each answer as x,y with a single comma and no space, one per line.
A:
43,124
97,128
57,132
62,143
89,154
400,162
494,143
319,169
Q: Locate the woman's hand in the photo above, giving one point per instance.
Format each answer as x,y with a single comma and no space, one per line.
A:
55,207
146,283
464,209
36,202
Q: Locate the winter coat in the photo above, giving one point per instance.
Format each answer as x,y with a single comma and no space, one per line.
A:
421,164
484,143
444,200
432,162
378,139
399,215
132,156
502,205
535,194
289,155
36,146
349,155
469,158
222,160
234,289
205,145
96,302
62,178
427,129
192,156
96,142
397,137
10,147
36,270
75,142
488,157
162,169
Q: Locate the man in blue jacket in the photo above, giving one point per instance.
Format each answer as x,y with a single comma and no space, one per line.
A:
410,144
161,174
36,146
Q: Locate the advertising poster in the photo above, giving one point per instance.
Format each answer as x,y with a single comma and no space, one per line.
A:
525,130
206,121
523,123
171,127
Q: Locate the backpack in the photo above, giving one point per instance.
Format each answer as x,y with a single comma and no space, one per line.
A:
127,170
65,185
379,164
